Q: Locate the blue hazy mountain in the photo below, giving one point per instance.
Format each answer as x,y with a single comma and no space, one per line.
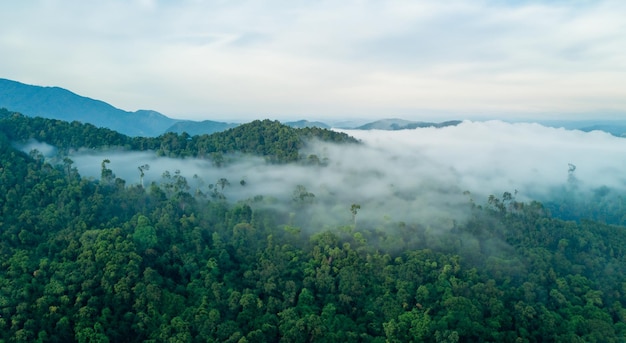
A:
62,104
401,124
305,123
616,127
200,127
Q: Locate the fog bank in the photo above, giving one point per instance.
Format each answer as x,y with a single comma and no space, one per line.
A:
412,175
492,157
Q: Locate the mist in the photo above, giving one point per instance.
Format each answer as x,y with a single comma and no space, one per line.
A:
494,156
413,176
44,149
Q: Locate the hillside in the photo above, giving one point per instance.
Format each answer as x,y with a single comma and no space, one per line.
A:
270,139
107,260
59,103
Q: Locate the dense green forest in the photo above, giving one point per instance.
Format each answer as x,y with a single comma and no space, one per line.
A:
85,260
271,139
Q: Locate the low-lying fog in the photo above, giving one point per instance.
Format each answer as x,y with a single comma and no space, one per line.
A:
403,175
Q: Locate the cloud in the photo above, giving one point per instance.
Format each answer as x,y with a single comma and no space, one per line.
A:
494,156
414,176
351,58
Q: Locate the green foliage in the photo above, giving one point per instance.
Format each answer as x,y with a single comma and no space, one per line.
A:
272,140
145,236
61,134
276,142
82,261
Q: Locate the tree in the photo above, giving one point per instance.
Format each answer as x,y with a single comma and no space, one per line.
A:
142,168
67,163
354,209
302,196
106,174
413,326
223,182
145,235
571,178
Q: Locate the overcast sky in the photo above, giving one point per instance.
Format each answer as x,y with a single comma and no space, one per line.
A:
239,60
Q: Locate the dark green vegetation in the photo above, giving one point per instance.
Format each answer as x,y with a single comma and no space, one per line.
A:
270,139
306,123
98,261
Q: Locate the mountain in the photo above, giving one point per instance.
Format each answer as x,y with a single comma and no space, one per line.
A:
194,128
151,123
305,123
260,257
401,124
272,140
59,103
615,127
348,124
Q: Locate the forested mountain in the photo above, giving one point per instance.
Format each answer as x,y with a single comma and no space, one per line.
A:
107,260
59,103
62,104
270,139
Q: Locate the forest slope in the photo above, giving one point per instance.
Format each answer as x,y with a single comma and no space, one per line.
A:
102,260
271,139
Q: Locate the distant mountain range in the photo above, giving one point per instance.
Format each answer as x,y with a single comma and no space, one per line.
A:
616,127
401,124
59,103
200,127
305,123
62,104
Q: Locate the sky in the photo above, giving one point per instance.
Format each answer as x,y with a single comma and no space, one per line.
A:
326,60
